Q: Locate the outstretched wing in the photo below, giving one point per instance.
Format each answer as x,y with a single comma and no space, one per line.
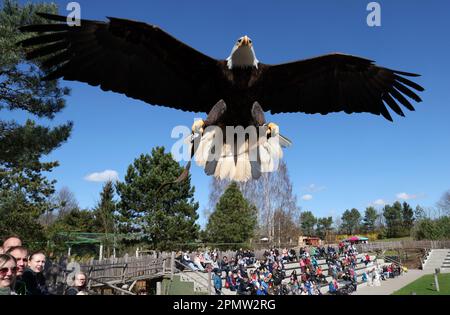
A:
133,58
334,83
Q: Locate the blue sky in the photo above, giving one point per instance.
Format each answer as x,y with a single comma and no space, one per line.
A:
341,161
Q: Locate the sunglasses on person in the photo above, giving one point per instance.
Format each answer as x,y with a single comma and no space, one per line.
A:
4,270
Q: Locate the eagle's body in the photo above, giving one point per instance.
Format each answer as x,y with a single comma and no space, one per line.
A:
143,62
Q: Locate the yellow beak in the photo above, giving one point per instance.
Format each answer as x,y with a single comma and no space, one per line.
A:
245,41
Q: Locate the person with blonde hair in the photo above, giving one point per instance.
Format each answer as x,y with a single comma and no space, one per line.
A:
8,271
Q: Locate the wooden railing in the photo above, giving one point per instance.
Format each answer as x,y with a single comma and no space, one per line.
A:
125,269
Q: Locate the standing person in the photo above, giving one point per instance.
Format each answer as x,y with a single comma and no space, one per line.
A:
218,281
8,270
79,285
33,276
20,253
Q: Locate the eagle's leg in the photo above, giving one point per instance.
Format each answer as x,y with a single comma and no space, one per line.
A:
197,127
273,130
214,116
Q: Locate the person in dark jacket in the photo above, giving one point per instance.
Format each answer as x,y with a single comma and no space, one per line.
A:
79,285
33,275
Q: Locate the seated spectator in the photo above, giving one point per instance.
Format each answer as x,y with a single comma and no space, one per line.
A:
230,281
314,262
285,255
8,271
292,255
197,262
188,262
293,276
33,275
244,287
367,259
225,265
319,275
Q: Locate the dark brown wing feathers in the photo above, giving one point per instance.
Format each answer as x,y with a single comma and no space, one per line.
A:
133,58
334,83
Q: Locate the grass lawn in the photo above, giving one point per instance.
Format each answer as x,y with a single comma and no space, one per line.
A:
425,286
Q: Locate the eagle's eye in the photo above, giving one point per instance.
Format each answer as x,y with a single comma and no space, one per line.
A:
250,41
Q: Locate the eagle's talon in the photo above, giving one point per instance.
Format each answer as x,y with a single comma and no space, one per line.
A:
197,127
272,129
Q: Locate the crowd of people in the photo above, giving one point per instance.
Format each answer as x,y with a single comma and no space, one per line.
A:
246,275
22,272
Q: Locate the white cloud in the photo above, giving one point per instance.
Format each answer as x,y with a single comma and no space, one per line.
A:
103,176
405,196
313,188
307,197
379,202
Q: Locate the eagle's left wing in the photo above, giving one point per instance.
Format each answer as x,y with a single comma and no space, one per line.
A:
334,83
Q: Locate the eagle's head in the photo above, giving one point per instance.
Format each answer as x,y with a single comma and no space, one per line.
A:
242,54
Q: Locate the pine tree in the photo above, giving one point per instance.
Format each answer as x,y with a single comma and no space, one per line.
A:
233,220
105,215
324,226
165,219
307,223
351,220
370,217
393,217
22,183
408,218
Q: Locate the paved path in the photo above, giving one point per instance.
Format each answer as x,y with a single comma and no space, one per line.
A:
390,286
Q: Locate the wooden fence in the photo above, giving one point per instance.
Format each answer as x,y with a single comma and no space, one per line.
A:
127,269
373,246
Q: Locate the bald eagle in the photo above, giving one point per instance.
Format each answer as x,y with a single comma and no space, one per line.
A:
146,63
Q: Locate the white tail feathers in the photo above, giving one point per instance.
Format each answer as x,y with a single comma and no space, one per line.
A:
241,165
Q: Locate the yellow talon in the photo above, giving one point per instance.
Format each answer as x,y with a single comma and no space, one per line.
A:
273,129
197,127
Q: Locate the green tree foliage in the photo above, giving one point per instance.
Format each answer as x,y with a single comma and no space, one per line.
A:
20,217
370,218
105,209
105,215
407,218
75,221
351,220
165,219
394,220
428,229
307,223
233,221
22,182
324,226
